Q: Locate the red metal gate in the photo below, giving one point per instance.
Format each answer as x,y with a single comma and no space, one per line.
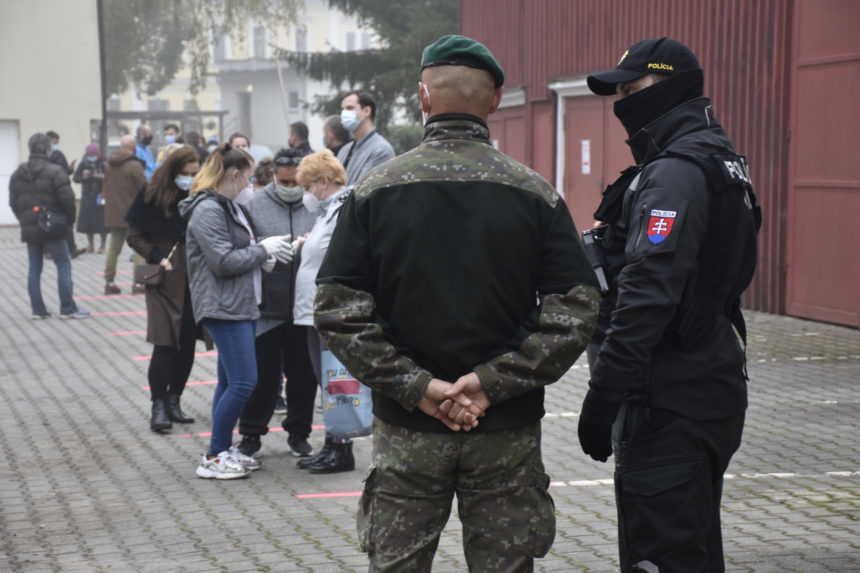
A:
824,202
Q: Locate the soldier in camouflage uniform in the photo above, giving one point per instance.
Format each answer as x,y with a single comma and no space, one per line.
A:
455,286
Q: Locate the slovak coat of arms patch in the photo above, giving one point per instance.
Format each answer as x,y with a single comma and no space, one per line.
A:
660,225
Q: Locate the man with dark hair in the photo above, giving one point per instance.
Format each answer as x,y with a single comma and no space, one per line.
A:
58,157
299,138
456,287
41,198
368,148
281,346
668,387
172,135
334,134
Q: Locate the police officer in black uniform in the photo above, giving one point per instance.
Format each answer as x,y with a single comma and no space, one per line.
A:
677,244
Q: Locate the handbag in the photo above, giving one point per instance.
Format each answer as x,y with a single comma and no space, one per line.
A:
51,224
151,274
347,403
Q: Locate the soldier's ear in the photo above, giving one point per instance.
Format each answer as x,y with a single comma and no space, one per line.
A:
497,100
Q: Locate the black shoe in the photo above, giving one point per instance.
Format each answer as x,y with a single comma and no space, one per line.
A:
159,421
250,445
341,460
280,405
325,452
174,410
299,446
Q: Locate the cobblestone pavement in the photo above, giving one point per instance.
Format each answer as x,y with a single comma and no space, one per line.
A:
85,486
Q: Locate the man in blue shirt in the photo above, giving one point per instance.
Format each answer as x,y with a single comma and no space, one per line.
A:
143,152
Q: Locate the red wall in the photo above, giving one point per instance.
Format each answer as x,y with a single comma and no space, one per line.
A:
743,46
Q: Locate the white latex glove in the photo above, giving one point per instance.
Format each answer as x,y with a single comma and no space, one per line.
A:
270,263
273,244
285,253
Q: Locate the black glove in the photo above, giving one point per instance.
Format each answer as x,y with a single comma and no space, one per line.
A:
595,426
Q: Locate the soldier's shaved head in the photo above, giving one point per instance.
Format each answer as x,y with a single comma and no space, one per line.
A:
459,89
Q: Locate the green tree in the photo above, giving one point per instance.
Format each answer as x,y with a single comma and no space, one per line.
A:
390,73
146,40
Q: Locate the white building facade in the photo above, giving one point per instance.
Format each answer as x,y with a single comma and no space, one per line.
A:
51,80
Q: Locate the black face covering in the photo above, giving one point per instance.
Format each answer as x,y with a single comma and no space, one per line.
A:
638,110
146,140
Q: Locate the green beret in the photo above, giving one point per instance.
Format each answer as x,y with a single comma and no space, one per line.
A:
456,50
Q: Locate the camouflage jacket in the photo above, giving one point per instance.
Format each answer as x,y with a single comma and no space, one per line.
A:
454,258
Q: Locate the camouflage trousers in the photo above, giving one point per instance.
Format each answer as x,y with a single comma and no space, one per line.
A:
507,513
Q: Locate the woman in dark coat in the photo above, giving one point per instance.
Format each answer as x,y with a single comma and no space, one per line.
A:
156,229
91,217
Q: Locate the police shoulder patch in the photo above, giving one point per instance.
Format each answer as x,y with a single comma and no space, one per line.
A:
734,168
660,225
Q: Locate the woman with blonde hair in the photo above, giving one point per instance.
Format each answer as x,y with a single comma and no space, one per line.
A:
225,263
324,180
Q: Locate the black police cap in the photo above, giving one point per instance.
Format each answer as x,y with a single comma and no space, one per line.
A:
658,56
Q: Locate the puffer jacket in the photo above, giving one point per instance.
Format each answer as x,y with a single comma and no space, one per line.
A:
220,259
39,184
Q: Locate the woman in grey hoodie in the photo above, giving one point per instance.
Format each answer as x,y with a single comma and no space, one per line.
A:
225,261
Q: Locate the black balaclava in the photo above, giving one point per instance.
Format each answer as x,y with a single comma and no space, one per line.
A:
638,110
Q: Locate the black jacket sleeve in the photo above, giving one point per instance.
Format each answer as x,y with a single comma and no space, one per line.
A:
667,220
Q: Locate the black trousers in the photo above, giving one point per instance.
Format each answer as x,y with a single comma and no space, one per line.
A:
170,367
282,352
668,485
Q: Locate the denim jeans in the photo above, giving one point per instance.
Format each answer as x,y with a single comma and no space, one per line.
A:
237,376
60,252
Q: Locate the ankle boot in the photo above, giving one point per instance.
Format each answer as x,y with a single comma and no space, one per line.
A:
325,452
341,460
159,421
174,410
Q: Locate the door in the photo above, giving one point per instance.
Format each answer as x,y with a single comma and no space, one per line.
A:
823,279
595,153
9,149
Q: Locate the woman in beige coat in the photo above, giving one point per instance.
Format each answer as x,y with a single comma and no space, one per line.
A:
157,233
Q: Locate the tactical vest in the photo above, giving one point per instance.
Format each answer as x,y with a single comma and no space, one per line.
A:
727,256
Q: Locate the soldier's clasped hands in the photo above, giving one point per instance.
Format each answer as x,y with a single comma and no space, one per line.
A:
457,405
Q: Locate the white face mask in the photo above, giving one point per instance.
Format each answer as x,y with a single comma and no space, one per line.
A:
311,203
245,195
183,181
349,119
288,194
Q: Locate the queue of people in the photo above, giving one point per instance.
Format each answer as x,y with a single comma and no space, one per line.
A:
453,282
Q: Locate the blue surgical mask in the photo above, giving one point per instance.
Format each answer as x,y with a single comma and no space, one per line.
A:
168,139
183,181
92,157
349,119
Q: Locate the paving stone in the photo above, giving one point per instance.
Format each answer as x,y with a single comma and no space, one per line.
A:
87,487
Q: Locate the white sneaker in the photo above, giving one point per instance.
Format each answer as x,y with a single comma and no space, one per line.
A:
222,466
247,462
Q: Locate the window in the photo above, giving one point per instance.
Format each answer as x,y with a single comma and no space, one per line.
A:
350,41
301,40
259,42
220,48
293,97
